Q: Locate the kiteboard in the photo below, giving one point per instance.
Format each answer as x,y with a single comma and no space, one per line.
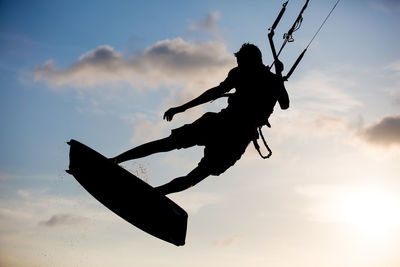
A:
127,195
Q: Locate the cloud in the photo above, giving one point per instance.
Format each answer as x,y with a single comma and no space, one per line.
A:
63,219
319,91
329,124
207,24
185,68
395,66
99,66
173,62
23,193
228,241
393,72
322,105
386,5
385,132
4,176
395,96
154,128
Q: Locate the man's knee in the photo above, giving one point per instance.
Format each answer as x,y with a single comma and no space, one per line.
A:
193,178
199,174
182,138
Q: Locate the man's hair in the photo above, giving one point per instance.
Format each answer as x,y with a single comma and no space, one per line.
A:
250,53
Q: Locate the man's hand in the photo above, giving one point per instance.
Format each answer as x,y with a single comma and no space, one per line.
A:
169,114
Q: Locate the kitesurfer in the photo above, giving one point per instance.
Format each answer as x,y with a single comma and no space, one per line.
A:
226,134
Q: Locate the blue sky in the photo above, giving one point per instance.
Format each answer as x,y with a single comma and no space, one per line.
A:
104,72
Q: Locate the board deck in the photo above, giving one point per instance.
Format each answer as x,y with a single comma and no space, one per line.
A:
127,195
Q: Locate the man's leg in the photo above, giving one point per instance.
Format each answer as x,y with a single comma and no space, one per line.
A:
162,145
184,182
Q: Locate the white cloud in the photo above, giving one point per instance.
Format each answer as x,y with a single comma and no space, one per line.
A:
173,62
320,106
385,132
186,68
394,95
207,24
327,124
386,5
147,129
318,91
23,193
395,66
393,73
228,241
4,176
63,219
7,213
99,66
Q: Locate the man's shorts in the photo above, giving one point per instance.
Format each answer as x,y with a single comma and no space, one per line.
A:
224,141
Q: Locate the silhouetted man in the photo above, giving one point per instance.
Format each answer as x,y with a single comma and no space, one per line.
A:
225,134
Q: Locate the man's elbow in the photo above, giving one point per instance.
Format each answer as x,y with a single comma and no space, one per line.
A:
284,107
284,104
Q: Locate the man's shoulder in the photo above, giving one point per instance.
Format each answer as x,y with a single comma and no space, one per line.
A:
262,72
234,71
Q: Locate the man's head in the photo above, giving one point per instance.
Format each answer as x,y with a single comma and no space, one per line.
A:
249,55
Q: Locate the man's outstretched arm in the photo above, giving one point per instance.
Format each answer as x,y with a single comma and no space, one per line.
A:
207,96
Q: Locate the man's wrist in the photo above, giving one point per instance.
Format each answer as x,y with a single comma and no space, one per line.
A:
181,108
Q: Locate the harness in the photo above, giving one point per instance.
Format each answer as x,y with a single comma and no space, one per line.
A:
257,146
258,134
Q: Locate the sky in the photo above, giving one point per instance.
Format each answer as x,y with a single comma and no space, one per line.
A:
104,72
